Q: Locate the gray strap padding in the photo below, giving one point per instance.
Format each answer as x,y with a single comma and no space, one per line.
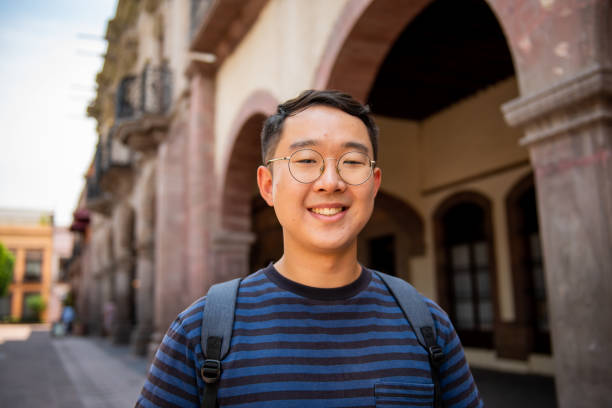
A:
218,318
412,304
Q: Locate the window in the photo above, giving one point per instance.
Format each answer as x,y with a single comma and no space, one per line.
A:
465,266
33,266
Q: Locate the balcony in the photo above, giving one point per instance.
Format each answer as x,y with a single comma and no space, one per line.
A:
142,106
115,165
112,174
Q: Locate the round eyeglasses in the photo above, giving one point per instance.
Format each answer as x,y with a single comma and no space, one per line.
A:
307,165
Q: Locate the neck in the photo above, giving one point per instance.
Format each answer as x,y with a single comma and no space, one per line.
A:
320,269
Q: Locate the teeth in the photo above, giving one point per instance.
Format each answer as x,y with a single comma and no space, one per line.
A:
326,211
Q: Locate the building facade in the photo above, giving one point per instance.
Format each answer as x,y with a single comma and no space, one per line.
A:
29,236
495,148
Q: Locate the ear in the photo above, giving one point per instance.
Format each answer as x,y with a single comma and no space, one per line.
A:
377,175
264,182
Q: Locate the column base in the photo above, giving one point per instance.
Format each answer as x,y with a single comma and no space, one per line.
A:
141,337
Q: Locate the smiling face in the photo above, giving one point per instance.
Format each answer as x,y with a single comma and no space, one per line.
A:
327,214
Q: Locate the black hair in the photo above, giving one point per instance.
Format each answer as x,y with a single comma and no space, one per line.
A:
273,126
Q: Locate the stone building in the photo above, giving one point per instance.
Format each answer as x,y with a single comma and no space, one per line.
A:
495,147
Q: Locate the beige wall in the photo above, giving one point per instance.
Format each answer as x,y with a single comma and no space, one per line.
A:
269,58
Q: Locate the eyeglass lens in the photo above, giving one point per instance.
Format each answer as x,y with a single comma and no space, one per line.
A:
307,165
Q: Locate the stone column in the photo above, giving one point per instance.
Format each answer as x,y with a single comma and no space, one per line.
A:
145,265
201,183
568,130
171,225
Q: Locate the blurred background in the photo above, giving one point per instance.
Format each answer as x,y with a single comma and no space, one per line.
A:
127,176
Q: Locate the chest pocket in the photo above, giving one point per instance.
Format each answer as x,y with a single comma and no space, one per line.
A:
395,394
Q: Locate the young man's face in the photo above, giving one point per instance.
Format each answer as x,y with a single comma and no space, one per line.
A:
327,214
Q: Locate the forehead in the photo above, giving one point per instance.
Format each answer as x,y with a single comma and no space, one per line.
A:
325,127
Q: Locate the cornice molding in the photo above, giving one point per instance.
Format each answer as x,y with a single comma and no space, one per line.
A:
572,103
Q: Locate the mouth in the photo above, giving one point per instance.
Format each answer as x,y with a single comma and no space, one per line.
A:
327,211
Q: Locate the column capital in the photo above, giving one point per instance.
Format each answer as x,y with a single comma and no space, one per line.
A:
574,102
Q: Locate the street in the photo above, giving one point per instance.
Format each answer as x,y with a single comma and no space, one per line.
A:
37,370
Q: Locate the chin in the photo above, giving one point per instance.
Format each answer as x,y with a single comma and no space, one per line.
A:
333,245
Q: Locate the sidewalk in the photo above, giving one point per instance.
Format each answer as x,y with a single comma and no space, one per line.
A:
103,375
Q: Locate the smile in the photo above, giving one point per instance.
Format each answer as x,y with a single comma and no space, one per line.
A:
328,211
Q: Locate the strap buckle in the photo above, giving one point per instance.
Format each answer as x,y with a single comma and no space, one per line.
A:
436,354
211,371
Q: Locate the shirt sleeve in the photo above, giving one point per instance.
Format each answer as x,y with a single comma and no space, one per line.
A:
459,389
172,379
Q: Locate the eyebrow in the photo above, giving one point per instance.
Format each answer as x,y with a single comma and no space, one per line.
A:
310,143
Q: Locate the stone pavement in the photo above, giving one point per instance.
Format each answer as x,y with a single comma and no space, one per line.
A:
37,370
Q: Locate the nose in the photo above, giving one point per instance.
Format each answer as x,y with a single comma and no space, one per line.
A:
329,180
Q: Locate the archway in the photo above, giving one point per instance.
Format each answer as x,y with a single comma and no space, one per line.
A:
435,74
234,236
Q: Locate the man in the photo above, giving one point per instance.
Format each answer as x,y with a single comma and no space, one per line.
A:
315,328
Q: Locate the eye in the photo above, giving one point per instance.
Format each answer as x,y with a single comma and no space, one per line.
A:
353,163
305,161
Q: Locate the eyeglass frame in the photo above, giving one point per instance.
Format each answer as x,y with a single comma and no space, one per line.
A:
288,158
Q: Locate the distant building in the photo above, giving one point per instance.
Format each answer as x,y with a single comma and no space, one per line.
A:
28,234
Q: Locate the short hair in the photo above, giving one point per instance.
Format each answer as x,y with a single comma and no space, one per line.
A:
273,126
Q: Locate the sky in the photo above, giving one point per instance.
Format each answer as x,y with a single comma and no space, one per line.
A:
50,53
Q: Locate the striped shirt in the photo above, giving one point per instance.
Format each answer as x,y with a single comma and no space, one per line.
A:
295,346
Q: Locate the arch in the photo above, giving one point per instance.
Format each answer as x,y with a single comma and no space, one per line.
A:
406,218
393,235
241,159
261,103
447,241
362,36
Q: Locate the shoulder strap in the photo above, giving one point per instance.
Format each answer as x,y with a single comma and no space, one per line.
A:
419,316
217,324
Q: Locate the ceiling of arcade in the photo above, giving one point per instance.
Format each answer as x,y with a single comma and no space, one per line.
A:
448,52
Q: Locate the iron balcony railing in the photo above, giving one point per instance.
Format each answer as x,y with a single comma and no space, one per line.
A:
150,92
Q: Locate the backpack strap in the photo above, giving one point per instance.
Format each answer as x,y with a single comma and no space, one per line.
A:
217,324
419,316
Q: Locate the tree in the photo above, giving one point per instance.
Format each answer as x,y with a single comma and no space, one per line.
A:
7,261
36,304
